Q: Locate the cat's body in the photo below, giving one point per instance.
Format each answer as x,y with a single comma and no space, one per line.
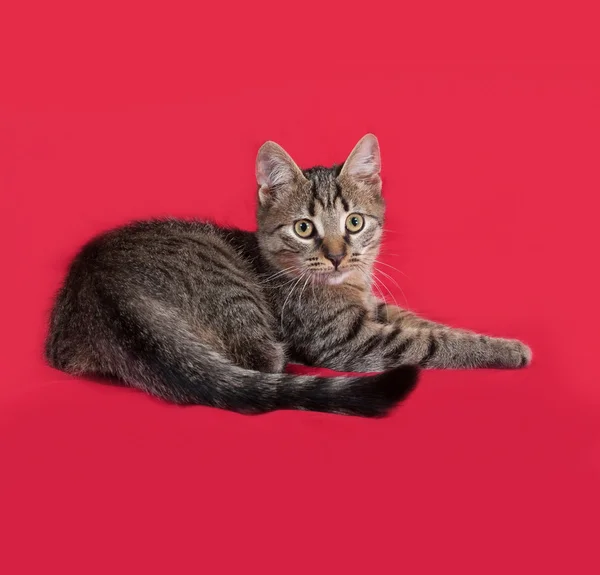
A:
198,314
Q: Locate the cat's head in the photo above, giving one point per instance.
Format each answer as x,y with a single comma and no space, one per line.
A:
322,222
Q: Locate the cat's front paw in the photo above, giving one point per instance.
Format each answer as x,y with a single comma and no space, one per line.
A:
512,353
522,353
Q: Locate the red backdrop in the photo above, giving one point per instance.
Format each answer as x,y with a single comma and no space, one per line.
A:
488,120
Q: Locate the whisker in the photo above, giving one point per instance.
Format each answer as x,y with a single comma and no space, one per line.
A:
395,282
391,294
385,274
371,280
381,297
309,276
281,285
289,295
277,274
389,266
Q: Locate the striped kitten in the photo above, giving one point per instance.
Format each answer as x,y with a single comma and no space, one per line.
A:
198,314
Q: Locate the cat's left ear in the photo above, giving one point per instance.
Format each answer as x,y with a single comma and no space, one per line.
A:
364,162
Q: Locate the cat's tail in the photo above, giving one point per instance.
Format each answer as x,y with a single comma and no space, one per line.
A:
367,396
204,377
178,367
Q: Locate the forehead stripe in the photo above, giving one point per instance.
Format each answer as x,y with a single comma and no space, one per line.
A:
311,207
338,194
315,196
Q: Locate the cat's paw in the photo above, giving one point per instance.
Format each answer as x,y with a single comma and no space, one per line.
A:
512,353
526,354
521,353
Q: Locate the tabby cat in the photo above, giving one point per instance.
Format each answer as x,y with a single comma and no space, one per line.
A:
194,313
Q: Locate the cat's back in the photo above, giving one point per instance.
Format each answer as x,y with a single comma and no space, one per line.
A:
149,239
157,245
169,259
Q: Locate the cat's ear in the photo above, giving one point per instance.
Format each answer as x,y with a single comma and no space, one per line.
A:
364,162
274,169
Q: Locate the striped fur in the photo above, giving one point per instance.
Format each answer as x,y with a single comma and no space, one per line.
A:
194,313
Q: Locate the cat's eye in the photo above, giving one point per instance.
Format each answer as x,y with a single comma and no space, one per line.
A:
304,228
355,223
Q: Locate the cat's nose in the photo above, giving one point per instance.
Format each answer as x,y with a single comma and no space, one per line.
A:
335,259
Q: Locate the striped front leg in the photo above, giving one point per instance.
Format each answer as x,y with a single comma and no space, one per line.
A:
360,344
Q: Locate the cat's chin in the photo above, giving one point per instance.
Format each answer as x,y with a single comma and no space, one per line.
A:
332,278
337,278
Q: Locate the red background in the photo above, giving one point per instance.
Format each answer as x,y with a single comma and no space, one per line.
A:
489,123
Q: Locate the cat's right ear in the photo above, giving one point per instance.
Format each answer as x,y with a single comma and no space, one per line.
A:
274,169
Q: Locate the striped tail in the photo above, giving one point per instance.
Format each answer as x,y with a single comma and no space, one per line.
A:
194,374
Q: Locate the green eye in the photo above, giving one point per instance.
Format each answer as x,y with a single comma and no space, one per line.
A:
304,228
354,223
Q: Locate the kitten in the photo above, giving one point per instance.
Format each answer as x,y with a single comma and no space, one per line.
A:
194,313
